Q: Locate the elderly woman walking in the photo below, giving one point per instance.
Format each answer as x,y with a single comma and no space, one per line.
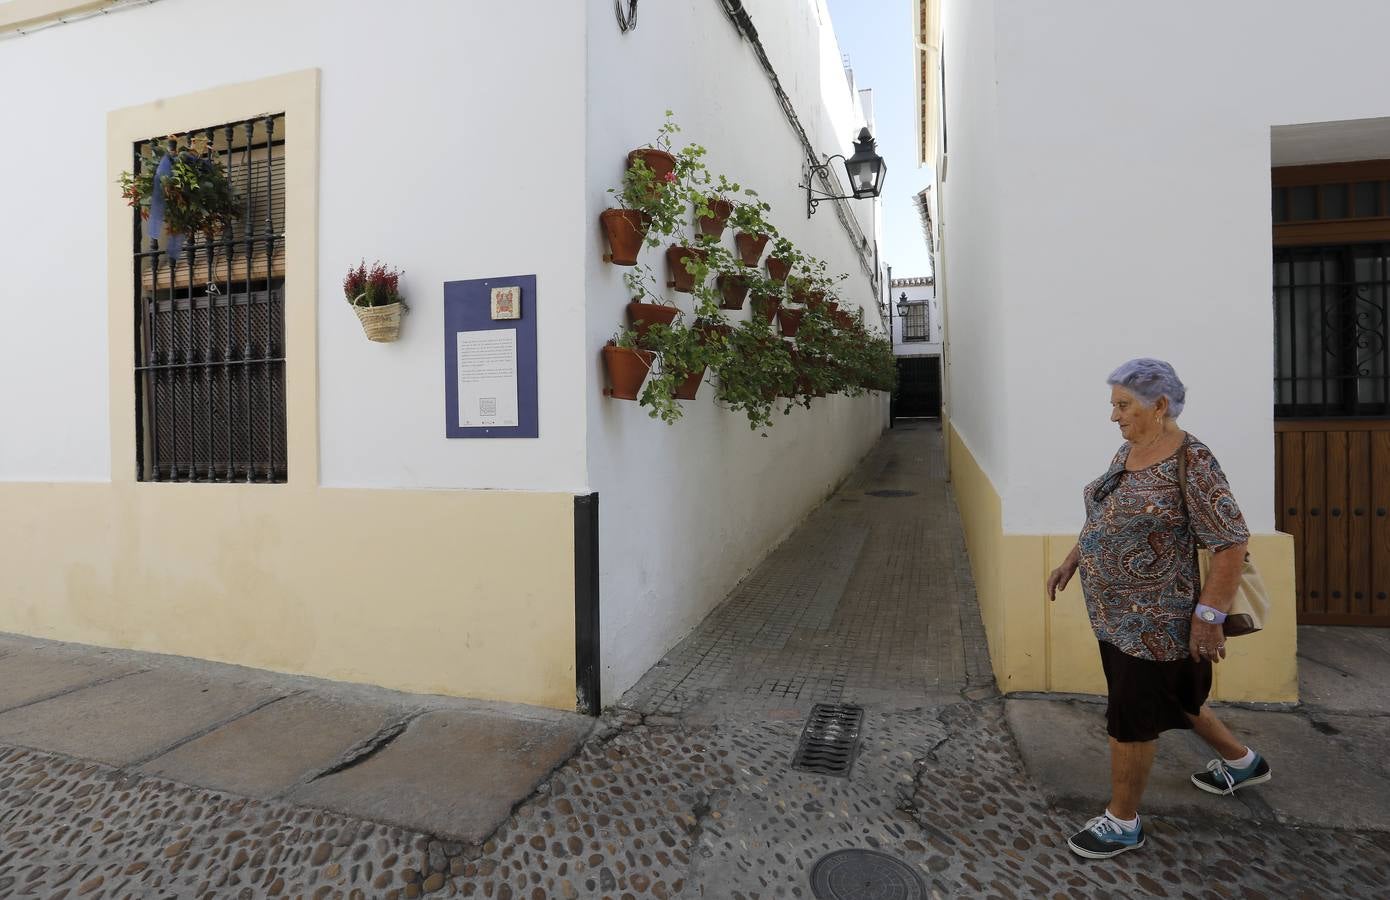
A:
1158,640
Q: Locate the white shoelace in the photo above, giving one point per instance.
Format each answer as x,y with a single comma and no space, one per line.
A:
1103,824
1219,767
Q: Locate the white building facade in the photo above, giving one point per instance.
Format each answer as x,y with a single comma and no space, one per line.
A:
475,145
1109,180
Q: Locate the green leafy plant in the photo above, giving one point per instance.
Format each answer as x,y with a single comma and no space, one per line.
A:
750,216
641,286
757,368
197,194
682,352
663,198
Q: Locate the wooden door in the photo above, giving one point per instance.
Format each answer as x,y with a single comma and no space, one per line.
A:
1332,493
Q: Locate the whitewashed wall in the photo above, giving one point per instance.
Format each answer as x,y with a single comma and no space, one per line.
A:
920,293
969,266
688,509
449,149
1124,154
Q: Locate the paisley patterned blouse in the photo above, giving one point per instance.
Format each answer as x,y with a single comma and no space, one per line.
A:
1136,548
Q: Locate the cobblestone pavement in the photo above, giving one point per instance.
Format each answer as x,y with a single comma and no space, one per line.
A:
687,791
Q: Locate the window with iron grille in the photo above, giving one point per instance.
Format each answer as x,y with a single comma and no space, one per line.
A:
1332,331
210,325
916,323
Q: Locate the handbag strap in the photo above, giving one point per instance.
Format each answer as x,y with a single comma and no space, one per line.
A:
1187,514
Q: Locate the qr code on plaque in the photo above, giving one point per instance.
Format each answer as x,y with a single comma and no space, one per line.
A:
487,406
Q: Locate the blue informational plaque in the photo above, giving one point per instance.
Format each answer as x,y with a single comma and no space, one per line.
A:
490,358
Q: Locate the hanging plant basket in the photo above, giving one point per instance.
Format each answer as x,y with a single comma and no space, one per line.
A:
626,229
750,248
766,306
627,369
790,320
644,315
381,323
733,290
713,226
681,279
687,388
778,269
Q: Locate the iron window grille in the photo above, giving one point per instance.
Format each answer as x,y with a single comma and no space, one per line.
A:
210,326
916,323
1330,324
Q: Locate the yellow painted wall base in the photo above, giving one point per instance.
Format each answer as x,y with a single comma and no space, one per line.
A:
468,593
1037,645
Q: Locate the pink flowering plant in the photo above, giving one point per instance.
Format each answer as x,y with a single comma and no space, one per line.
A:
665,198
377,286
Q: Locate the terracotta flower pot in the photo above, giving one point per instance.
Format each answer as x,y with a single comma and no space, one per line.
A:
766,306
681,279
733,289
659,161
790,320
713,226
750,248
707,330
778,269
815,300
625,229
627,369
687,388
842,318
644,315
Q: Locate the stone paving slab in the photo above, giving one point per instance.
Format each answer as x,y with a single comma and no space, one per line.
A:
28,675
1344,669
452,773
1318,781
126,721
1064,746
1066,751
271,750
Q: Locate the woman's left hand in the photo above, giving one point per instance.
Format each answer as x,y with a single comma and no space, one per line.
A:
1208,641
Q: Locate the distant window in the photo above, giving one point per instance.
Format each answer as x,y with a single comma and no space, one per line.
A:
917,323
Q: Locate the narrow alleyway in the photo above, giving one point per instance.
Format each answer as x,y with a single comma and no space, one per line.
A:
687,790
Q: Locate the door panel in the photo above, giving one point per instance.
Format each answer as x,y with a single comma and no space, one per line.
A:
1334,499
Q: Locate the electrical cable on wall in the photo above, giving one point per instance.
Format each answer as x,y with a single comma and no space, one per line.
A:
739,16
626,21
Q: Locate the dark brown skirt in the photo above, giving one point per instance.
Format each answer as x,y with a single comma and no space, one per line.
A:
1148,697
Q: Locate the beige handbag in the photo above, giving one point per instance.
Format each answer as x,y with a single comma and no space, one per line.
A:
1250,608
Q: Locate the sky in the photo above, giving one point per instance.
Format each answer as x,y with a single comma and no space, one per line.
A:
877,37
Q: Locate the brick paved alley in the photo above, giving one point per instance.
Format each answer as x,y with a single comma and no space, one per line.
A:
686,788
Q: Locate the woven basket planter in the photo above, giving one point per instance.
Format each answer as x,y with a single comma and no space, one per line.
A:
381,323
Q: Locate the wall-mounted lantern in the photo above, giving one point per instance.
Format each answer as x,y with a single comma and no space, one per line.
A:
866,171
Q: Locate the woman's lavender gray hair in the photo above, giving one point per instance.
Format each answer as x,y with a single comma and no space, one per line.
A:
1149,379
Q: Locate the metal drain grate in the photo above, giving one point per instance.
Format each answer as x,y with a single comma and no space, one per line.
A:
830,739
890,492
847,874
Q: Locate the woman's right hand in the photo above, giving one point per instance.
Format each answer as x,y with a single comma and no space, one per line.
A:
1061,576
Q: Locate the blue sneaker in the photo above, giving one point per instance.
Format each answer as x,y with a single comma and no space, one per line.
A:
1223,778
1103,838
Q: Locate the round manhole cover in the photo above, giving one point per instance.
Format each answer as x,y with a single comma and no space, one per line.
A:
865,875
891,493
